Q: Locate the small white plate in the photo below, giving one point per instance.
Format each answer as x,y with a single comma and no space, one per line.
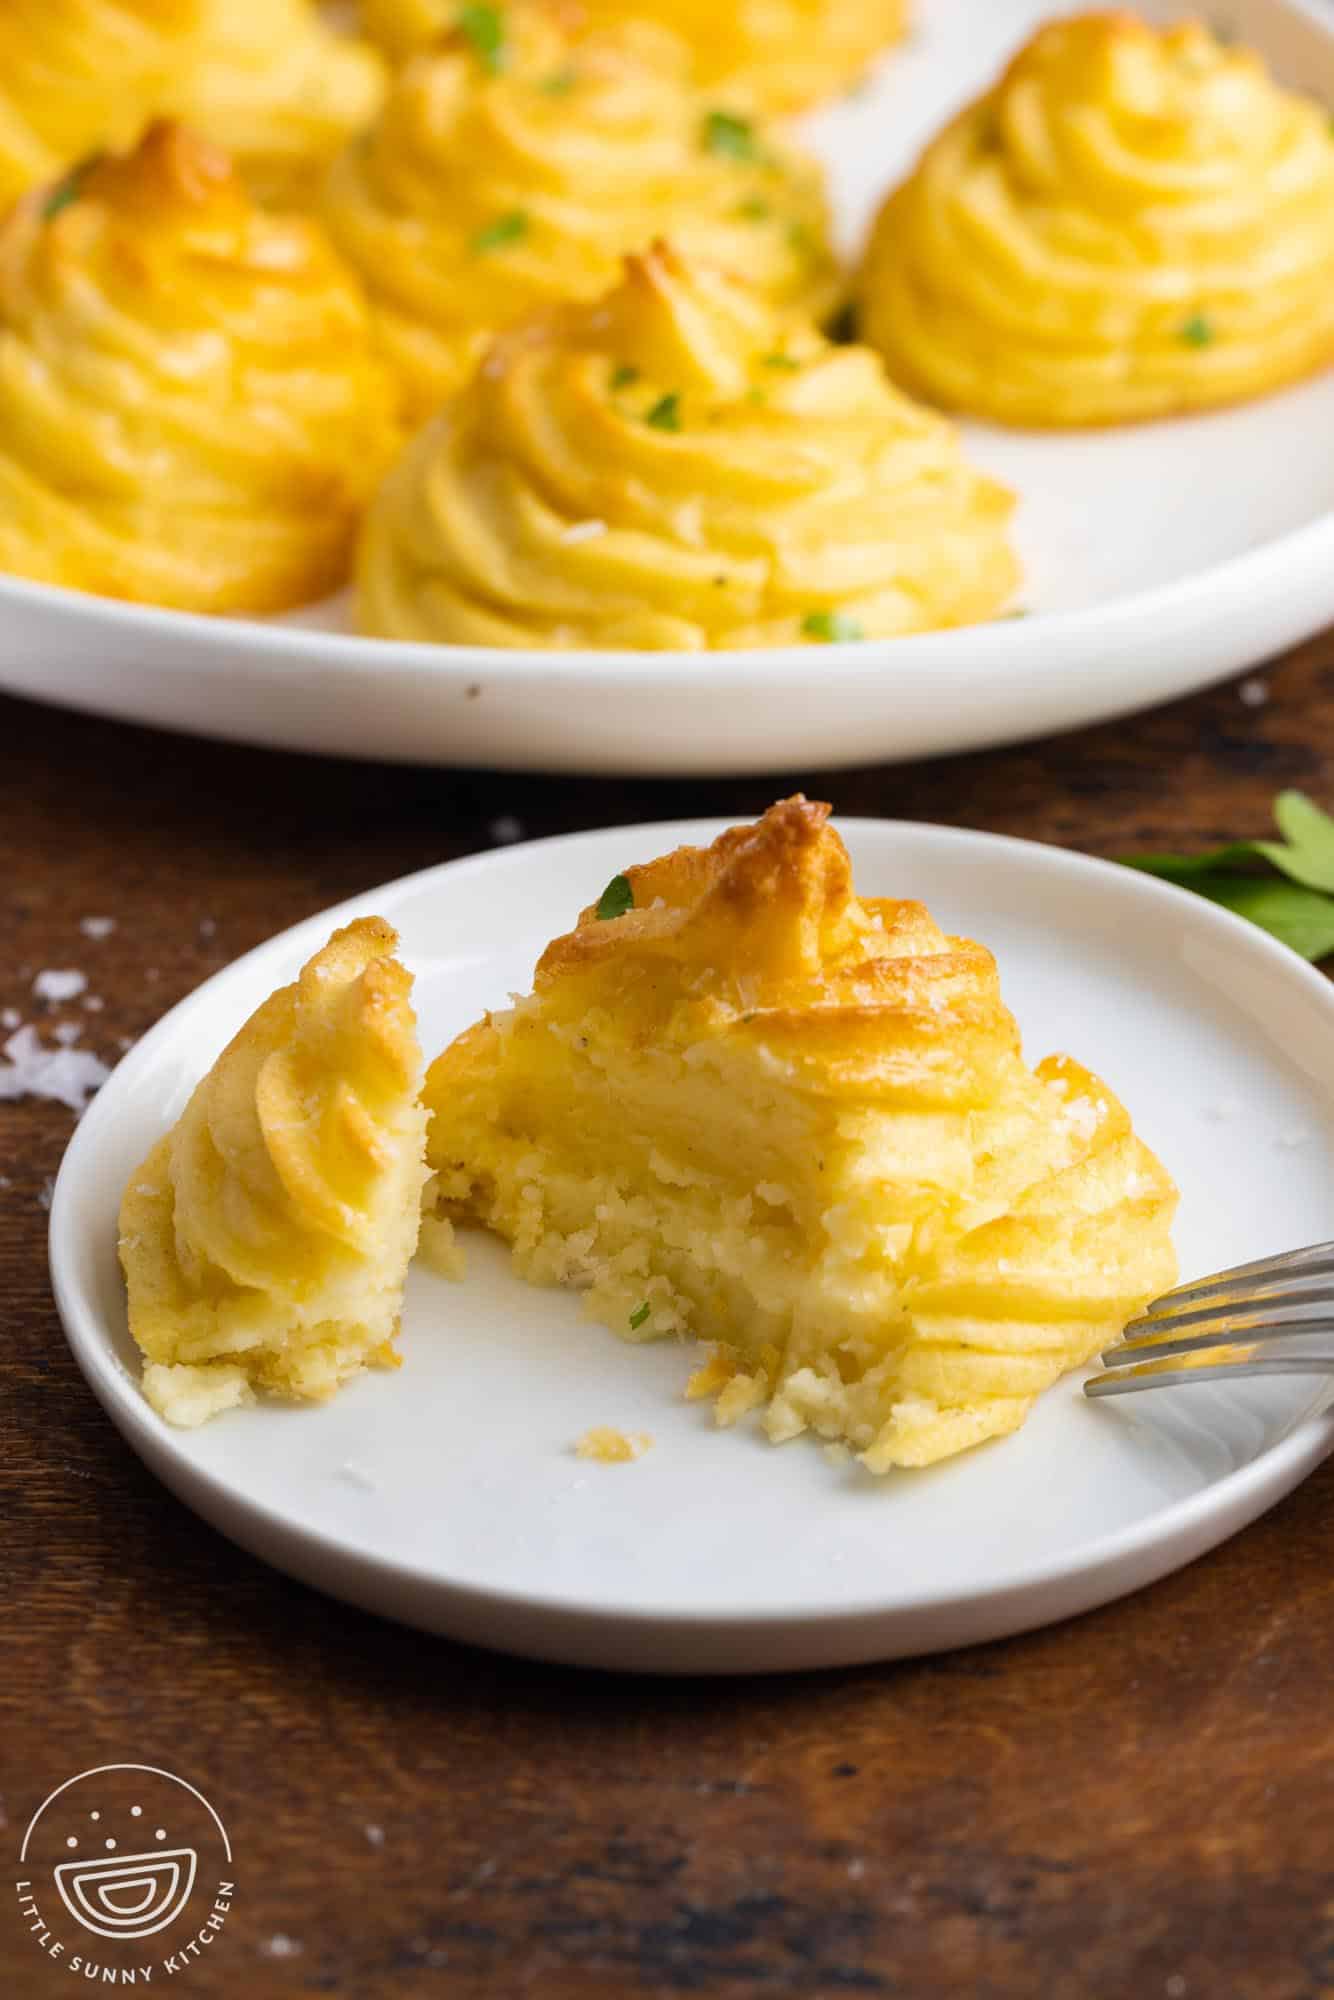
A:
1159,557
447,1494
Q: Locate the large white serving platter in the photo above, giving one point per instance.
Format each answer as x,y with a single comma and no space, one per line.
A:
448,1495
1159,558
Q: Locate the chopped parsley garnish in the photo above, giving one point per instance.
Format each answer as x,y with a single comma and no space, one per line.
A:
754,209
616,899
666,412
842,327
67,190
1196,331
560,82
506,229
623,376
800,239
1285,886
731,137
484,27
638,1316
781,361
830,626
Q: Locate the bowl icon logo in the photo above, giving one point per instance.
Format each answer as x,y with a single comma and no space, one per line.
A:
130,1896
125,1870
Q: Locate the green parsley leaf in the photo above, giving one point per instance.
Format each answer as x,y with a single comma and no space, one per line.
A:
781,361
497,235
68,189
560,82
638,1316
622,377
484,27
830,627
1196,331
1305,854
731,137
666,412
1299,909
1300,918
616,899
1308,856
754,209
843,326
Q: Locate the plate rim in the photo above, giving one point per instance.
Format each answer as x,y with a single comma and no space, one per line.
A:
312,1553
1306,550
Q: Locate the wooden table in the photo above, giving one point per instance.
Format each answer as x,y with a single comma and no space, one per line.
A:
1136,1804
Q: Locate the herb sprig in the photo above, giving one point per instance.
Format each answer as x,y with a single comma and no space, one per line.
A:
730,136
666,412
616,899
70,187
1285,886
831,627
498,235
484,28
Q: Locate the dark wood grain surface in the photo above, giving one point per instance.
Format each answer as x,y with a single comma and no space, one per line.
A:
1140,1803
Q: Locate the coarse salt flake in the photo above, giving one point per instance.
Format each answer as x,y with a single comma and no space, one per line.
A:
281,1946
97,927
64,1075
56,985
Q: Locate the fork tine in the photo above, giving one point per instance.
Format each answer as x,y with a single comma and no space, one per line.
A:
1297,1315
1317,1261
1202,1299
1126,1381
1237,1333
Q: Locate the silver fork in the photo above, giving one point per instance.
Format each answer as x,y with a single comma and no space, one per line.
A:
1255,1306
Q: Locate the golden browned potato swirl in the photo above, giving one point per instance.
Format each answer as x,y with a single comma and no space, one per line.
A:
504,177
265,1240
746,1103
677,465
781,54
191,409
271,81
76,75
1131,223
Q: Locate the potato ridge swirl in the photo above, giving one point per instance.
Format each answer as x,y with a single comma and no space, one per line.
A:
76,75
495,184
677,466
191,410
1130,224
779,54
